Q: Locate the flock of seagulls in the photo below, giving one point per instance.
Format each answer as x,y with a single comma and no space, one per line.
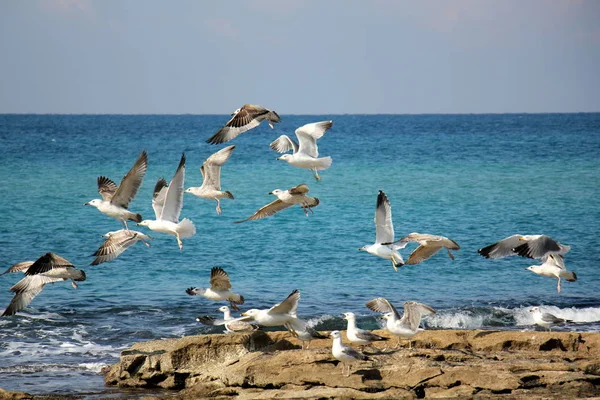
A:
167,203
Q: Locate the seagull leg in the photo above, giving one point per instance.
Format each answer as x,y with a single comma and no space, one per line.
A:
316,174
558,286
74,285
179,242
125,224
218,206
450,254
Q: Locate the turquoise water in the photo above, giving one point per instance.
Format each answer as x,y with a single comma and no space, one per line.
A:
473,178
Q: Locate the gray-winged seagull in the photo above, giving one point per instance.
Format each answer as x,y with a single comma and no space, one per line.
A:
360,336
344,354
553,267
546,319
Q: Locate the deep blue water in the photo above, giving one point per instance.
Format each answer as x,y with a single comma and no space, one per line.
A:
473,178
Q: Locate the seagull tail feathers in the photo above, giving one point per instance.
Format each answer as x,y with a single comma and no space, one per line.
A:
323,163
229,195
570,276
136,217
186,228
273,117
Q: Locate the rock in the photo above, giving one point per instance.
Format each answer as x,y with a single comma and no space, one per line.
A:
441,364
6,395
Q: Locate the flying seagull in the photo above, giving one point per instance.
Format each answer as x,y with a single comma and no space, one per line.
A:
231,324
220,289
406,326
546,319
18,267
243,119
281,314
117,242
428,246
211,173
384,234
285,199
167,202
360,336
49,268
532,246
344,354
553,267
305,152
115,200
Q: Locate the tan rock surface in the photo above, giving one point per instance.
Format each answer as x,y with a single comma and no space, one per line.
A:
441,364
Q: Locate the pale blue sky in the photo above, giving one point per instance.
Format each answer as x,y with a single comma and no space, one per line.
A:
299,56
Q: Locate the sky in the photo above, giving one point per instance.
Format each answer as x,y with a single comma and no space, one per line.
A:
299,56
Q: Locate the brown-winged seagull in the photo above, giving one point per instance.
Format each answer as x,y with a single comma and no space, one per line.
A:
18,267
220,289
116,243
115,200
49,268
384,234
211,174
553,267
243,119
285,199
305,153
428,246
406,326
167,202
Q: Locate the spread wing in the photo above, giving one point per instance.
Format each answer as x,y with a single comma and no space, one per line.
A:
22,266
159,196
116,244
268,210
300,189
382,305
308,135
384,228
249,116
283,144
174,198
219,280
502,248
538,248
211,168
46,263
413,312
422,253
288,306
25,291
131,182
106,188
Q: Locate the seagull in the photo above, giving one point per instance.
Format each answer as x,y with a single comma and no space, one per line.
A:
231,324
211,173
117,242
243,119
301,330
407,325
357,335
115,200
553,267
220,289
384,234
305,152
344,354
167,202
428,246
281,314
49,268
546,319
286,199
532,246
22,266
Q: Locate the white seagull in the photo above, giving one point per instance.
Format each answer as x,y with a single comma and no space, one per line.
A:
49,268
344,354
243,119
428,246
167,202
211,173
115,200
281,314
360,336
546,319
116,243
406,326
305,152
285,199
384,234
231,324
220,289
553,267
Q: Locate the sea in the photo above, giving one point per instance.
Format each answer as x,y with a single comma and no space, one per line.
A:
473,178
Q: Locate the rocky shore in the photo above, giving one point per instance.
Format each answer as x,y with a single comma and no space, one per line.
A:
441,364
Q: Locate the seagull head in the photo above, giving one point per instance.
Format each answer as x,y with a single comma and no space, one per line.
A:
348,315
145,222
188,190
335,334
364,248
285,157
387,316
94,203
276,192
223,309
534,309
235,112
250,313
533,268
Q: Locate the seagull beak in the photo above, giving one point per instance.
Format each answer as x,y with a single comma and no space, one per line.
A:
279,158
243,314
86,204
270,192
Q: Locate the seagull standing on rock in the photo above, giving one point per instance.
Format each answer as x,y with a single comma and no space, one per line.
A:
360,336
344,354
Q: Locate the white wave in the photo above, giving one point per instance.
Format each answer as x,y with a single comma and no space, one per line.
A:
318,320
93,366
455,320
577,315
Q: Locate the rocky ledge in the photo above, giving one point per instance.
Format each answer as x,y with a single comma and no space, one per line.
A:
441,364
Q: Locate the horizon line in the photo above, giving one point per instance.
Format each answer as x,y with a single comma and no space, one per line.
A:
306,114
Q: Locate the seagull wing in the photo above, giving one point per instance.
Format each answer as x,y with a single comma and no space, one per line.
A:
25,291
46,263
555,260
22,266
219,280
288,306
283,144
539,247
300,189
106,188
308,135
384,228
207,320
423,252
114,245
547,317
502,248
350,352
131,182
174,198
159,196
413,312
249,116
268,210
382,305
211,168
